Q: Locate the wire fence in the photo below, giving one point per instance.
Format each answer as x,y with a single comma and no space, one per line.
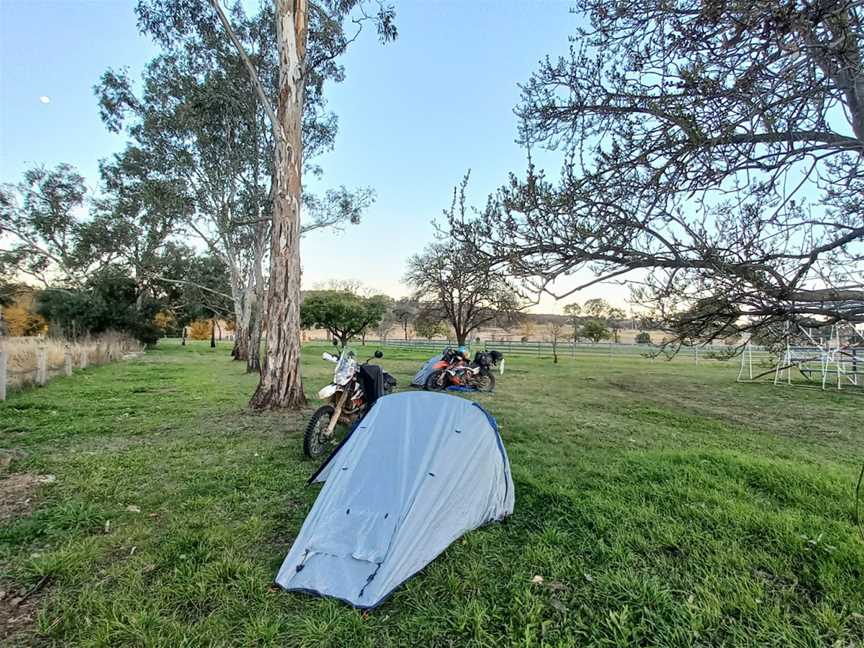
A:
26,362
574,350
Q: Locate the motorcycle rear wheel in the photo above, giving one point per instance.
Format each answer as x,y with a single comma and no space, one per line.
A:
314,442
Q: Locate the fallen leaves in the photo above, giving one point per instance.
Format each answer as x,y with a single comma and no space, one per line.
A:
552,586
556,588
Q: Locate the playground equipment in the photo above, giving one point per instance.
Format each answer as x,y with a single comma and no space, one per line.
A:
826,362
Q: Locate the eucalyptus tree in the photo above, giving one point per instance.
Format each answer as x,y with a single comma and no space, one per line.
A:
47,234
199,126
243,157
149,207
712,154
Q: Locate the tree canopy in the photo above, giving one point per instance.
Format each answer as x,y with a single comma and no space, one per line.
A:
452,283
342,313
43,234
108,301
713,148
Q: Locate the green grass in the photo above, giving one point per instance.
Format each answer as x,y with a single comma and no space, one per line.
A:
662,503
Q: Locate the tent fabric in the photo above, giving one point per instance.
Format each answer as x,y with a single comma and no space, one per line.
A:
419,471
426,370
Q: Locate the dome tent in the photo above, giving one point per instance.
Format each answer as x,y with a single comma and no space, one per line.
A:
419,379
419,471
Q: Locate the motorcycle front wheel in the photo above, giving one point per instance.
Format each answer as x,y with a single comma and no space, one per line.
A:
434,381
484,382
315,443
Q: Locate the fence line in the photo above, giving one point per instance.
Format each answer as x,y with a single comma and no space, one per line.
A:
570,349
40,372
2,375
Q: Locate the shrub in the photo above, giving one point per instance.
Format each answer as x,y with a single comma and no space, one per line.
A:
200,330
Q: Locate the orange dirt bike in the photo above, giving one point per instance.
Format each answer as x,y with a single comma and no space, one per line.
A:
354,389
454,370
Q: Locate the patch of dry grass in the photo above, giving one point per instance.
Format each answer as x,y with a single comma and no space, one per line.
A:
22,358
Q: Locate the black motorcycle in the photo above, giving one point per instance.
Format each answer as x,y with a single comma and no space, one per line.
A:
354,390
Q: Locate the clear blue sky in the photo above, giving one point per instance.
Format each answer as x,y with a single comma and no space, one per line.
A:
414,115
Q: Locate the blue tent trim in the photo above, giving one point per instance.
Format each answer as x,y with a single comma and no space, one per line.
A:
494,423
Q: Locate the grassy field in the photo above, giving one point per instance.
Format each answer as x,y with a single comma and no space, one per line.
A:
661,503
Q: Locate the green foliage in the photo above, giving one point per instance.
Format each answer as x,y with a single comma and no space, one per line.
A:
601,311
342,313
654,514
405,311
595,330
428,326
109,301
202,125
195,286
8,291
596,307
42,235
573,311
643,337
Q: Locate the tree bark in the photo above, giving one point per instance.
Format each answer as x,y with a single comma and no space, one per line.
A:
281,383
253,359
258,299
238,352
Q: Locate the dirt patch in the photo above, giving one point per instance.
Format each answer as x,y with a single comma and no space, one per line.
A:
16,494
18,612
7,456
18,606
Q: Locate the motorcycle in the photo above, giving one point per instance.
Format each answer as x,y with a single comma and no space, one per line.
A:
355,387
454,370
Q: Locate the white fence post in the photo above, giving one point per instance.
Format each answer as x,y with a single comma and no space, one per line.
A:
41,367
2,375
83,358
67,361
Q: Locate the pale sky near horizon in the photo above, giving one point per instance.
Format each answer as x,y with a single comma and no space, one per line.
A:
414,115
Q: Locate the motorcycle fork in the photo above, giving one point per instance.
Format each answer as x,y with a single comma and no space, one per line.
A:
337,413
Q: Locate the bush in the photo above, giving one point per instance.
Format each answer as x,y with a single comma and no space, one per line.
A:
643,338
200,330
108,302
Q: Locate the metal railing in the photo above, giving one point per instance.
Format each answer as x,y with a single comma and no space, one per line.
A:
573,350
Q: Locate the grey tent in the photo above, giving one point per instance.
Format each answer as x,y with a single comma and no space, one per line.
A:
419,471
420,377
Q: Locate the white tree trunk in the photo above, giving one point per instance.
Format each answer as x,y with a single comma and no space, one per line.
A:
281,384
